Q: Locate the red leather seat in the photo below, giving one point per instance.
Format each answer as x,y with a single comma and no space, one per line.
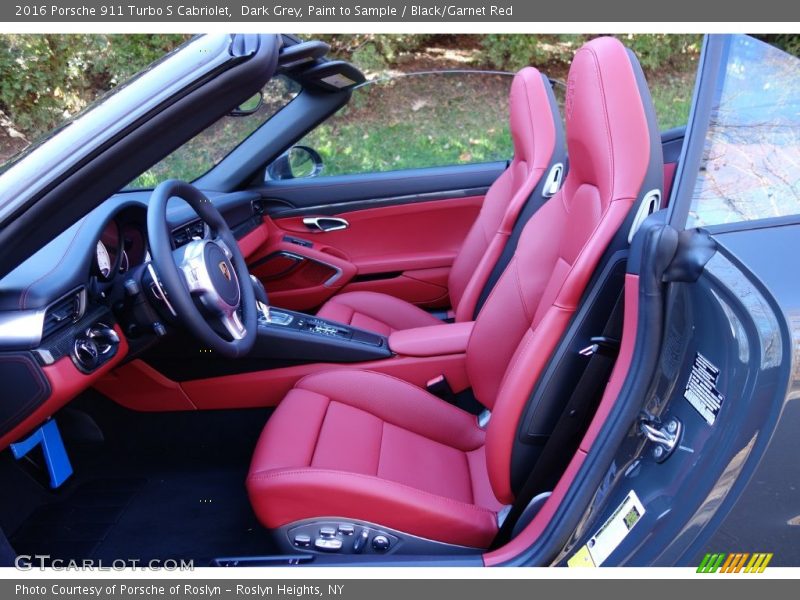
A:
536,132
358,445
370,446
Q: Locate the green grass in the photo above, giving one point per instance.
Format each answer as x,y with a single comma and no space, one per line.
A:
672,97
411,124
380,134
360,148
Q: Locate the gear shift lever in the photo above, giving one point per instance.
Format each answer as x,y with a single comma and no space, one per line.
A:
261,297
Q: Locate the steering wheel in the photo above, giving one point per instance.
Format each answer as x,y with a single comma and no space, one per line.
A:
202,279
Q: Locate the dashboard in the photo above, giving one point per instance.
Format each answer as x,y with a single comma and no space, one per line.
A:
87,301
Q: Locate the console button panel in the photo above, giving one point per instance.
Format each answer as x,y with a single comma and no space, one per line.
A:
316,326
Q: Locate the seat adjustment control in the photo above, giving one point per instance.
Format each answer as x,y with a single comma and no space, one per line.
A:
361,541
302,540
380,543
327,532
328,544
342,537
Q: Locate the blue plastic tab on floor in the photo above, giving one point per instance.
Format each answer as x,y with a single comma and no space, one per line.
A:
55,454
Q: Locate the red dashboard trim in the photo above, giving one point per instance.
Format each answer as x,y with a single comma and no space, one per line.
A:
66,382
138,386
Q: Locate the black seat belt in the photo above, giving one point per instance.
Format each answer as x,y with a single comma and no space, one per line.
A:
572,423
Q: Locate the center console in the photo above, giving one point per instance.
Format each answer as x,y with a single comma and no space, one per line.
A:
297,336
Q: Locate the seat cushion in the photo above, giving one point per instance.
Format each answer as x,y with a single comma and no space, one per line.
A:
362,445
376,312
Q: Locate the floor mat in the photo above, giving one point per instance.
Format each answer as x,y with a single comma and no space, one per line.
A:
145,486
197,516
74,527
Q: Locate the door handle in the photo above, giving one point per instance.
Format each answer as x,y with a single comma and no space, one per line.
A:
325,223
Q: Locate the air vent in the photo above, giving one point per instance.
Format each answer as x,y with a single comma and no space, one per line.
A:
185,234
64,311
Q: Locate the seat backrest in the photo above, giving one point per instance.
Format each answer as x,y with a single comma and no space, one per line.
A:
537,134
611,152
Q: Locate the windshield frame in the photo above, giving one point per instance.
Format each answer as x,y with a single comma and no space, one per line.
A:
128,188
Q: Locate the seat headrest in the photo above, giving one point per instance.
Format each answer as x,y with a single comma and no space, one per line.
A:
607,121
532,116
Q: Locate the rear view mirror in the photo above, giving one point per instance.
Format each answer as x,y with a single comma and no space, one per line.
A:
249,106
296,162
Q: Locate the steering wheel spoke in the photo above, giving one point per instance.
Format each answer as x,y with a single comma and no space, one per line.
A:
221,243
189,259
233,325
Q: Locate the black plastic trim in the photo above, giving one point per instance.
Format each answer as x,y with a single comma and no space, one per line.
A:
402,543
713,56
658,243
25,388
565,368
282,208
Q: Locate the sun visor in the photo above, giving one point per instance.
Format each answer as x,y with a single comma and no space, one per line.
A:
333,76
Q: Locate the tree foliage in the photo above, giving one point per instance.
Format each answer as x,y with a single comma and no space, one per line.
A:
512,52
47,78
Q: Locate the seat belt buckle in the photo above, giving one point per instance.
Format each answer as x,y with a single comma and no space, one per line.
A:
601,345
439,387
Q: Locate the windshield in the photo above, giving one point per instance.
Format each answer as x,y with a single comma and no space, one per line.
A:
204,151
750,167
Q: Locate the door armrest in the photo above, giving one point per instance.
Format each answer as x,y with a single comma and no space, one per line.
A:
436,340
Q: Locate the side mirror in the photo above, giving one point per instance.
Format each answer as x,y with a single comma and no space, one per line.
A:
249,106
296,162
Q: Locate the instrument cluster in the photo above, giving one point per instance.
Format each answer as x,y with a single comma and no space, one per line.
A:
120,246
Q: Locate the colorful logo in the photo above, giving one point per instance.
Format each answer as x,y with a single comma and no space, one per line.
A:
226,272
735,562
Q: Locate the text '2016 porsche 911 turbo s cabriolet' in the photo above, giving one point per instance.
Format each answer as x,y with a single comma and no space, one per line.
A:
582,351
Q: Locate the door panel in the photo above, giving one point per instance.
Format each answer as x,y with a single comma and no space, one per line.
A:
397,238
402,245
405,250
721,376
298,277
424,287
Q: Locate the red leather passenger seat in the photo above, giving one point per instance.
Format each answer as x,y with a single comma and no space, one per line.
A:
360,445
538,137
